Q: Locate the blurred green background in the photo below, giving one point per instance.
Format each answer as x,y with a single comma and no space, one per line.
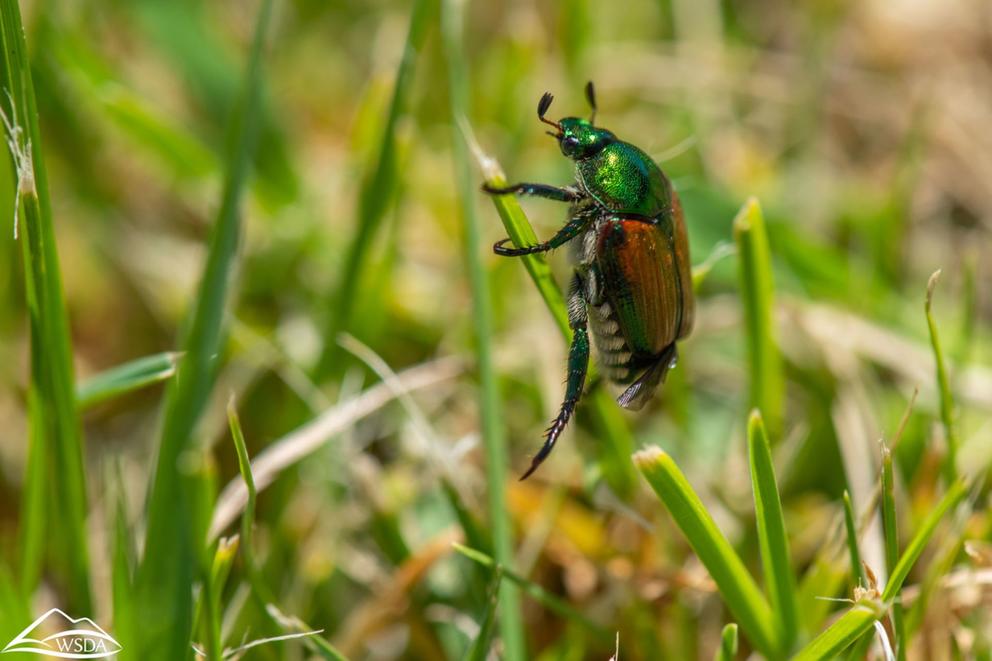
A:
862,128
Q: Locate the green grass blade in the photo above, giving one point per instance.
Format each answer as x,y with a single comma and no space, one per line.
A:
767,385
172,543
548,599
125,378
891,538
739,591
857,569
772,537
521,234
479,649
56,438
943,386
377,193
926,530
728,644
842,633
493,431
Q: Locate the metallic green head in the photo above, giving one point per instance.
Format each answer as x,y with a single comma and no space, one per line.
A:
578,138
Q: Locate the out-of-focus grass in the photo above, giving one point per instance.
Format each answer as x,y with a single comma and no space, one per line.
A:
871,171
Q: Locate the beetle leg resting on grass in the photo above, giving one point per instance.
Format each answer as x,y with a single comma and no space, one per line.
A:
571,230
578,364
559,193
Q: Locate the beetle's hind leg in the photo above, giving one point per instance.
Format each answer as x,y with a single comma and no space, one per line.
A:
578,364
638,394
559,193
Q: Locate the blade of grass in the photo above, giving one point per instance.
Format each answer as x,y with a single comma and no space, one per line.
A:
548,599
479,649
842,633
56,443
172,545
926,530
891,539
857,569
125,378
493,432
767,386
377,192
738,590
943,386
728,644
772,538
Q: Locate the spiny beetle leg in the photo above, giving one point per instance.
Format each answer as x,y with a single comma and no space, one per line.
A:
571,230
559,193
578,363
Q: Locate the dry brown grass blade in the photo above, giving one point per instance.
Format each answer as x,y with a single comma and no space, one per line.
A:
308,438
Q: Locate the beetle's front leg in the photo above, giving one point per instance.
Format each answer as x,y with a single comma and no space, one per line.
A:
571,230
559,193
578,364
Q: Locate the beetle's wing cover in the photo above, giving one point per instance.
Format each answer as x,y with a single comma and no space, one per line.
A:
684,266
642,282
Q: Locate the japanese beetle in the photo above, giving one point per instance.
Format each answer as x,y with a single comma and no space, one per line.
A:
632,285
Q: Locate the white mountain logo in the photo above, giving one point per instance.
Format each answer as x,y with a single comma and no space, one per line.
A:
80,638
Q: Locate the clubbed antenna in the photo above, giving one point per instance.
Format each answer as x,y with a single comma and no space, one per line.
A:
591,97
542,108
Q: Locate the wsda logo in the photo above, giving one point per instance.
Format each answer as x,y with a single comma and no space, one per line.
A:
73,638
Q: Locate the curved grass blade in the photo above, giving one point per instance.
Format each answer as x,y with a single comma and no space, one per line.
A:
55,466
842,633
891,538
857,569
767,386
493,431
549,600
772,538
943,386
377,193
173,542
739,591
479,649
125,378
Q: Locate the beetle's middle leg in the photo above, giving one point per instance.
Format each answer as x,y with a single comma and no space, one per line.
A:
578,364
559,193
571,230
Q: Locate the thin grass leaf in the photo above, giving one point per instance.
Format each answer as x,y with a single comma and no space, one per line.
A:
56,441
772,538
548,599
943,386
926,530
891,538
842,633
377,193
857,570
172,543
493,431
767,385
728,644
125,378
738,590
479,649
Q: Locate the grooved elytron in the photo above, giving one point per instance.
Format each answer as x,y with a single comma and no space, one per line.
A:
632,285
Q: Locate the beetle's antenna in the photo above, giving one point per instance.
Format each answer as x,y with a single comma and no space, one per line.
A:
542,108
591,97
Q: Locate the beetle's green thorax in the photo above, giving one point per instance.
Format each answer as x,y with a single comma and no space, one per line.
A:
624,179
579,139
